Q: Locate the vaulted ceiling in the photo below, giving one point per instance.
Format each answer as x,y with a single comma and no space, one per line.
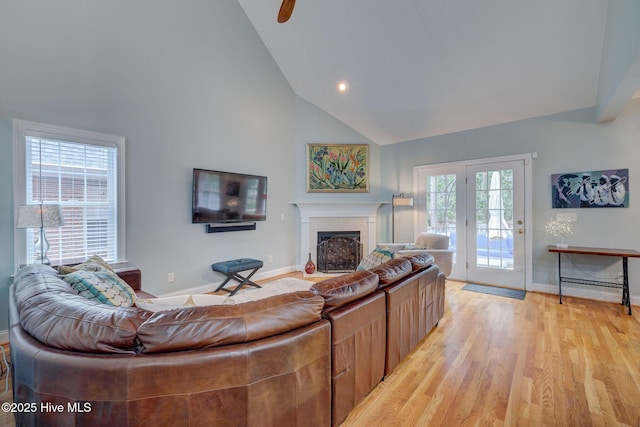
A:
419,68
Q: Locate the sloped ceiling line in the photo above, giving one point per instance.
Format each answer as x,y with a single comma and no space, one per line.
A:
420,68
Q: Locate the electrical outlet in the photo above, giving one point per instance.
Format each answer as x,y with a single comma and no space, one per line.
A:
171,277
270,258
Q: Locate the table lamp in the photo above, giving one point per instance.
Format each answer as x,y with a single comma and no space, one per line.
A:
40,216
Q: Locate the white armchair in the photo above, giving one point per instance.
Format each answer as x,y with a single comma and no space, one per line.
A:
436,245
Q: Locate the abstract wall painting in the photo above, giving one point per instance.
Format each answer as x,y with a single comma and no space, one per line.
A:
591,189
337,168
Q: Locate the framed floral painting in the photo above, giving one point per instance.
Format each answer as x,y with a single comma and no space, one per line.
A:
337,168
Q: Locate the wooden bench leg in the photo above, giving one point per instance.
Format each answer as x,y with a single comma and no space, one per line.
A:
244,281
221,287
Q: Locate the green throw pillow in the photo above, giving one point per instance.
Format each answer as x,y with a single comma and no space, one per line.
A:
103,286
378,256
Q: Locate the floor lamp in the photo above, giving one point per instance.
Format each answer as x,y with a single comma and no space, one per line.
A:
40,216
399,200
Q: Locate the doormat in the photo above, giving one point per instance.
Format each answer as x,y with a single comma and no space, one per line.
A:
493,290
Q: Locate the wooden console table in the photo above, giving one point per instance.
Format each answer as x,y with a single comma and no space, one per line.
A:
625,254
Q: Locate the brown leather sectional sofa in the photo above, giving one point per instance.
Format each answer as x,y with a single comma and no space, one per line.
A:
371,334
299,359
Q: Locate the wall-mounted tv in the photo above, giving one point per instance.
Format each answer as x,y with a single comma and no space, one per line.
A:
227,197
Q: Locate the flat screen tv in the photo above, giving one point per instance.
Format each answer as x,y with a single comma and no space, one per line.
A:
227,197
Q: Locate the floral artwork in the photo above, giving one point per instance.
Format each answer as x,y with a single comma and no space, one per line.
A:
591,189
337,168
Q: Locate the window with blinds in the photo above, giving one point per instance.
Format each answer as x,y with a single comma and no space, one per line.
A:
81,175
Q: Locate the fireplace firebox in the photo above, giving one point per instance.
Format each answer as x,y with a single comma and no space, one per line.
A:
338,251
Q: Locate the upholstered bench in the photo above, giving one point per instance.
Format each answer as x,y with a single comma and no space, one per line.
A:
232,268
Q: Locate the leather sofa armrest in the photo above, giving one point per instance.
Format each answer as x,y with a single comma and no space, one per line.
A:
131,275
442,257
392,271
420,260
341,290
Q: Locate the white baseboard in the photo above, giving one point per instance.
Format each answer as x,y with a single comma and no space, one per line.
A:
4,337
589,292
210,287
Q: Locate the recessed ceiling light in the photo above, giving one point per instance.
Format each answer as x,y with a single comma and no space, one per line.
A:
342,87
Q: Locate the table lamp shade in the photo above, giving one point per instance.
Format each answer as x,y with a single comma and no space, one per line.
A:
40,216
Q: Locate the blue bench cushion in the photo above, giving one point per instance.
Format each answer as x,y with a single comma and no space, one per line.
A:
236,265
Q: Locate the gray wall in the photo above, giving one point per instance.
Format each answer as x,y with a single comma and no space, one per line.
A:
195,87
313,125
568,142
187,87
6,217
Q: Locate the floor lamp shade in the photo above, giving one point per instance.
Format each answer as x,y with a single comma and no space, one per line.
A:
40,216
399,200
402,201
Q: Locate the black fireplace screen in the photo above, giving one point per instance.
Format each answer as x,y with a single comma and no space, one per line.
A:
338,251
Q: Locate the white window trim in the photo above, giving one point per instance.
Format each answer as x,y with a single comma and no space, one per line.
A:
21,128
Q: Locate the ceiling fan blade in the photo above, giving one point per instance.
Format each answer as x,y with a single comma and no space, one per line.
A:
286,10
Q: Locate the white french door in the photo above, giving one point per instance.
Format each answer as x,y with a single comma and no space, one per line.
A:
495,224
439,196
481,206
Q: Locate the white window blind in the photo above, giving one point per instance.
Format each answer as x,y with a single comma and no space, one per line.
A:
80,172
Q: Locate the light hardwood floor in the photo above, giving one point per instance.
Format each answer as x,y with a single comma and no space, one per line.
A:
495,361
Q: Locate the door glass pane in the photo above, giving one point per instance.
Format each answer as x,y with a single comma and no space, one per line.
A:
441,206
494,219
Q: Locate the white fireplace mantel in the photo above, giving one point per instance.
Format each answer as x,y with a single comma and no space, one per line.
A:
338,209
310,210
